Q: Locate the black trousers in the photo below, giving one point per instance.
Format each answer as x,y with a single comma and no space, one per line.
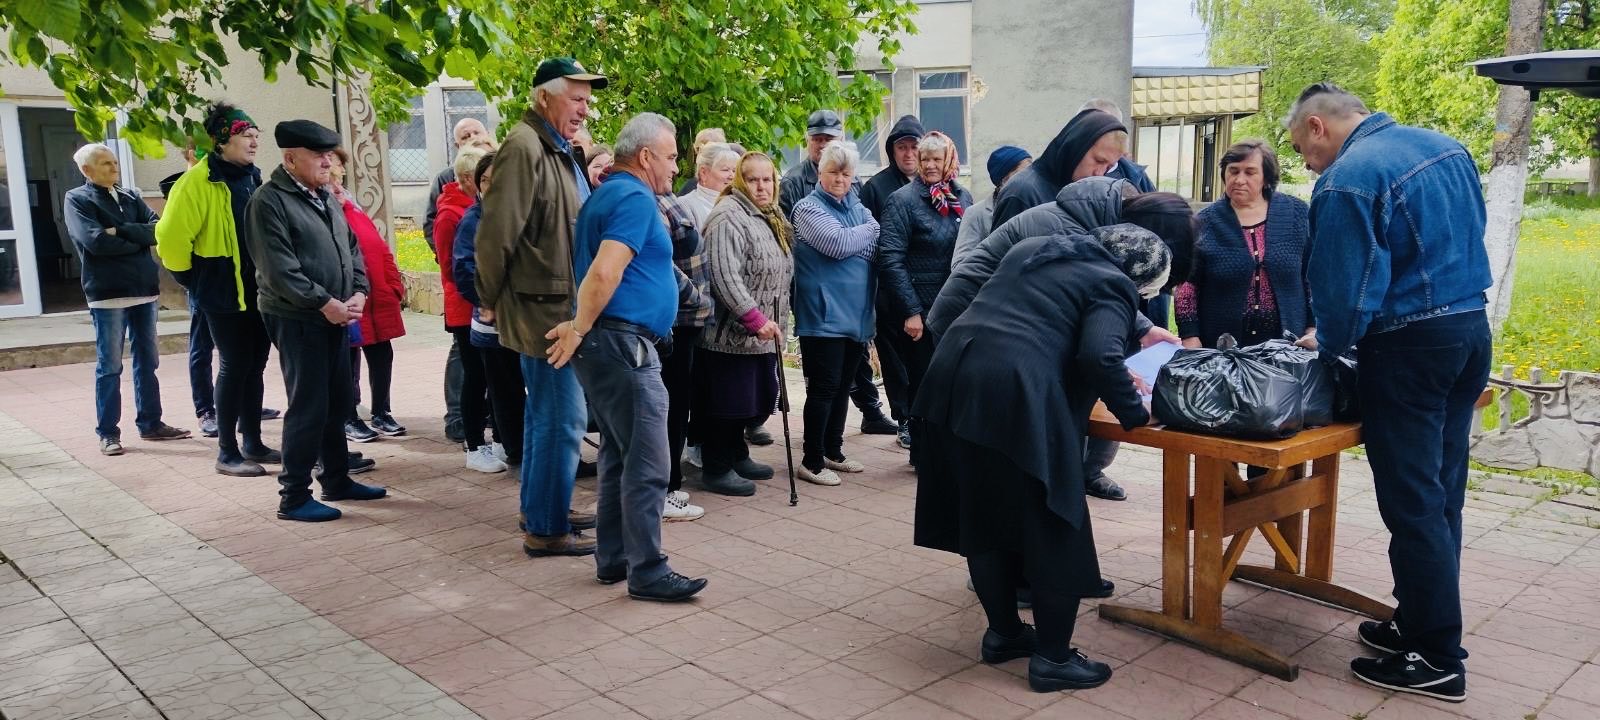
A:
474,388
315,359
724,443
201,387
891,364
996,577
829,364
380,375
677,373
242,346
502,373
914,356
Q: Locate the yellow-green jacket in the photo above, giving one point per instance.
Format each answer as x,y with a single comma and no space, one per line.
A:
198,239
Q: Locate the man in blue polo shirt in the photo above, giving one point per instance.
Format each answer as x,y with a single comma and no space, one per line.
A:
627,303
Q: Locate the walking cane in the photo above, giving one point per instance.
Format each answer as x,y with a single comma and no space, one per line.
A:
783,411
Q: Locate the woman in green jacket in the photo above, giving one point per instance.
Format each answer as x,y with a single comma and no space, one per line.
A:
198,240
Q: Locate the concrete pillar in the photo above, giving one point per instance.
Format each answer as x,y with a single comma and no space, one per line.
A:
1034,62
367,177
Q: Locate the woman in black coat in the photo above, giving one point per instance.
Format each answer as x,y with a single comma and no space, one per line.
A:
1003,421
916,241
1249,279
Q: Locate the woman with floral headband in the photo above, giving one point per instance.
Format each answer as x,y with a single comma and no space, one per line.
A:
198,240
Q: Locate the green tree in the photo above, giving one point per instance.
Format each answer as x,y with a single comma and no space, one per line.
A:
152,58
756,68
1424,79
1300,42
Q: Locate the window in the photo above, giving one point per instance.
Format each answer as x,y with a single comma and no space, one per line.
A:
870,144
1180,155
942,105
460,105
408,148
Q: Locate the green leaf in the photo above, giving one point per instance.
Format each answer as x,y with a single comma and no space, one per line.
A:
461,64
56,18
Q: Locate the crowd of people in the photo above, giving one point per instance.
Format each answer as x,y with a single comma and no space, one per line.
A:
585,294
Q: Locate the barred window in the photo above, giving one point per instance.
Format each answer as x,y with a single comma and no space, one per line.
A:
408,148
460,105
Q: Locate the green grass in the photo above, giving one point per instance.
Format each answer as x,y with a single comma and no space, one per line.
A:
411,252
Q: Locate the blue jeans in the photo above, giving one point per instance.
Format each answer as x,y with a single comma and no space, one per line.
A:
621,374
553,420
200,347
1418,385
136,324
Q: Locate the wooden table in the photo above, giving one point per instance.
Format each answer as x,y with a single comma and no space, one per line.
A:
1295,511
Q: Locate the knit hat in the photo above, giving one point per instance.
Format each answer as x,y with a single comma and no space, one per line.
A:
1139,253
224,121
1003,160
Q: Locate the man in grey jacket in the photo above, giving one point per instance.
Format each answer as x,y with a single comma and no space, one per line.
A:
313,287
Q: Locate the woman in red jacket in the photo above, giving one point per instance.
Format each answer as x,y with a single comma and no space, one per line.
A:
380,321
453,203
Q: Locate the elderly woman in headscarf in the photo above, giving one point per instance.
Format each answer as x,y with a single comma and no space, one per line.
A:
919,227
198,240
1090,144
748,246
1002,423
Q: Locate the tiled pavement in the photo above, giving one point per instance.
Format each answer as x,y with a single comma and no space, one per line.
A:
145,586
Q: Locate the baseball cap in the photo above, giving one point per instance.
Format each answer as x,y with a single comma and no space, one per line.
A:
825,122
568,68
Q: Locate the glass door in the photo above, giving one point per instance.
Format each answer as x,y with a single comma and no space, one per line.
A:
19,274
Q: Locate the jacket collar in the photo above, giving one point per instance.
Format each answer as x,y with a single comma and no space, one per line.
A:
107,198
1374,123
282,181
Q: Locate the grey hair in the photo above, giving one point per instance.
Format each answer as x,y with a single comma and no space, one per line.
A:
839,155
554,86
85,154
711,153
1103,105
1324,99
466,164
934,143
641,130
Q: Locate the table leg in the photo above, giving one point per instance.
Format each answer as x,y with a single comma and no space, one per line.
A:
1175,534
1290,527
1323,518
1208,580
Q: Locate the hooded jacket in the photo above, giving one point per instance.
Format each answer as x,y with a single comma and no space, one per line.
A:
1078,209
381,321
1054,167
875,193
453,204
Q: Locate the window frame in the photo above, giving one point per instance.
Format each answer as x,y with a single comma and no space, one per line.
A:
964,92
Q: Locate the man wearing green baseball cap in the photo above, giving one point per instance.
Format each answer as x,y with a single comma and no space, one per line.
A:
525,280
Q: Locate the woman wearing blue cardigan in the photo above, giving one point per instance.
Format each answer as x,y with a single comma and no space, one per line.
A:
1249,276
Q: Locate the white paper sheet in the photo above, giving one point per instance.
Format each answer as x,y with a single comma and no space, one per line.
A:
1147,362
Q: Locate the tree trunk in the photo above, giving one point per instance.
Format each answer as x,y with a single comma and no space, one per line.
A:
1594,161
1508,163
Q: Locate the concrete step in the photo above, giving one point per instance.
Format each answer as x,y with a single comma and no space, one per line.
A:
67,338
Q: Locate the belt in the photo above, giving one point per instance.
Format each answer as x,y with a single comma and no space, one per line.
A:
615,325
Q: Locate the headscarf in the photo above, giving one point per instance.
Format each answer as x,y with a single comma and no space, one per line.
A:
943,193
1063,154
234,122
771,212
1140,254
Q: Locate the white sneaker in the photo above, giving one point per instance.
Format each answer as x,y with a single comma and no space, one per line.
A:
484,461
845,466
825,477
691,455
678,508
499,451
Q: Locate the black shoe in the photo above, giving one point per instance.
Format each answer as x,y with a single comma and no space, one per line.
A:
453,430
1384,636
1077,673
904,435
587,469
1107,589
239,467
270,414
357,431
356,491
164,432
611,577
878,425
672,587
752,470
997,648
208,424
758,436
1410,672
1105,488
358,464
728,483
263,454
385,424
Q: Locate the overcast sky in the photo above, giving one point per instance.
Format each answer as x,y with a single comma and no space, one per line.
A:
1166,32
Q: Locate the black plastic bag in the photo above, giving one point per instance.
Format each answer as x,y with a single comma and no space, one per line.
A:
1316,378
1346,401
1227,392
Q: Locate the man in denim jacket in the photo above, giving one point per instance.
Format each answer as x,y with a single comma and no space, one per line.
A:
1398,269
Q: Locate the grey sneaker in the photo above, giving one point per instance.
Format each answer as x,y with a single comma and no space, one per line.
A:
110,446
164,432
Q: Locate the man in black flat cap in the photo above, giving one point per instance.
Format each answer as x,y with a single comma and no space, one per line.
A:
313,287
